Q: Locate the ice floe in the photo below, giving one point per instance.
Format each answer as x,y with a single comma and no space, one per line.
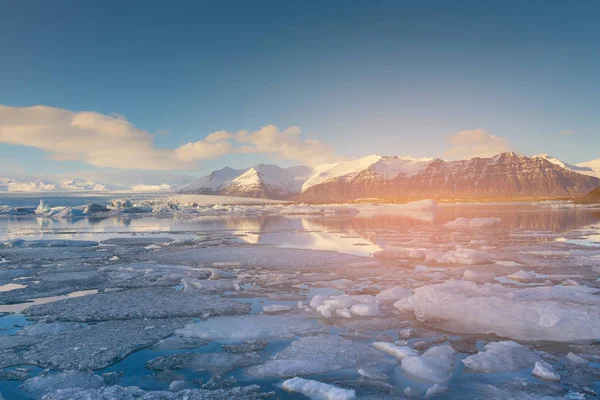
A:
435,365
240,328
545,371
315,355
554,313
316,390
501,357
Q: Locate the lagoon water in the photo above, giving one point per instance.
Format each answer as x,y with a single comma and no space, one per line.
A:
67,283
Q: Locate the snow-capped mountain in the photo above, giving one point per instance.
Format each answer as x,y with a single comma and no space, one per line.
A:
70,185
505,175
260,181
591,168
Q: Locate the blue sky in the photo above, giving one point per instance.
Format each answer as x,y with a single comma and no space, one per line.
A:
386,77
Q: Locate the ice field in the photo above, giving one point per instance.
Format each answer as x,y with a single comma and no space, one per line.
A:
200,297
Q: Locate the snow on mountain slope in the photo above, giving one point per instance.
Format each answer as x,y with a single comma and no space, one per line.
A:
210,184
505,175
11,185
382,166
261,181
591,168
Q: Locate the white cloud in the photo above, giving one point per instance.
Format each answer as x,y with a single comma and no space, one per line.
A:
285,144
476,143
112,141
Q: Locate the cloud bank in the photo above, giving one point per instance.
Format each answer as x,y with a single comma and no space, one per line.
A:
475,143
112,141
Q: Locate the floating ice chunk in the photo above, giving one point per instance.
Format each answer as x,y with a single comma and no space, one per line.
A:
526,276
209,286
220,274
545,371
340,302
463,256
417,253
46,383
43,208
372,373
45,329
97,345
275,308
435,365
215,362
404,305
325,310
94,208
554,313
316,355
460,223
177,386
178,342
504,356
316,390
240,328
365,310
574,358
248,346
343,312
435,390
478,276
394,294
399,352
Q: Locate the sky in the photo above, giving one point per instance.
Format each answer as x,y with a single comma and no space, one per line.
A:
159,91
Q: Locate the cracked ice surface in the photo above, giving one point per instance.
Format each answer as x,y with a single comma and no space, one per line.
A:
93,347
138,303
390,302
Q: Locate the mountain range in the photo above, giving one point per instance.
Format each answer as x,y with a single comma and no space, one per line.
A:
504,175
70,185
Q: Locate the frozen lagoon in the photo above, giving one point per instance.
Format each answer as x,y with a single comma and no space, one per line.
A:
185,299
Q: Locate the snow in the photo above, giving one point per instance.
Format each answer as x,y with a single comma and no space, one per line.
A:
240,328
503,356
317,390
399,352
383,167
556,313
473,223
316,355
591,168
435,365
545,371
